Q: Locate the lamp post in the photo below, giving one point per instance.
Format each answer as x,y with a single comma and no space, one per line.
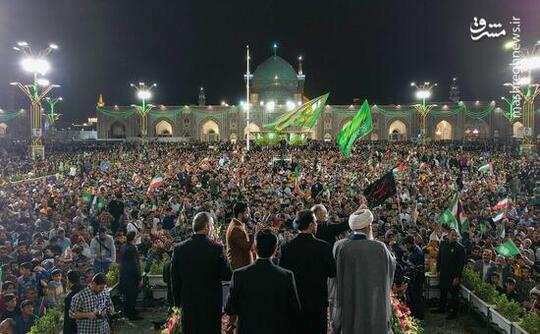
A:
143,93
36,64
423,92
529,91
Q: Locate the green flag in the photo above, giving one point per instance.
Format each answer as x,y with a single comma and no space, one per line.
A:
306,115
507,248
359,127
448,219
86,197
100,203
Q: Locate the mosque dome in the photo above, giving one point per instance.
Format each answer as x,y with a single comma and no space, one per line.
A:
275,75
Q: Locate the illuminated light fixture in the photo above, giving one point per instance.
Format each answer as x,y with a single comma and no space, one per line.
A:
290,105
475,131
298,103
423,94
524,81
35,65
261,103
223,103
144,94
351,106
43,82
508,45
22,43
276,77
477,102
530,63
270,105
53,46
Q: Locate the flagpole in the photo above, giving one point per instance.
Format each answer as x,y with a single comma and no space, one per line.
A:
247,97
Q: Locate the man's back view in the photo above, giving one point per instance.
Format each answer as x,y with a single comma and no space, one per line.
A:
263,295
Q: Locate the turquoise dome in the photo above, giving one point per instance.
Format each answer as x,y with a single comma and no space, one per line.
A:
275,79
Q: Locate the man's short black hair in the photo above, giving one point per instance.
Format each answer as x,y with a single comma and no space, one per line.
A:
265,243
73,276
7,284
102,230
130,236
239,208
511,280
8,297
408,240
303,219
201,221
99,279
25,303
26,265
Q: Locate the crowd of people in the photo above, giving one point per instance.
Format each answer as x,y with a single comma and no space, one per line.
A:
218,209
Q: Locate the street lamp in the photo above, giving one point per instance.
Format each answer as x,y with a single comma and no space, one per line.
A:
144,93
510,116
423,92
36,64
529,91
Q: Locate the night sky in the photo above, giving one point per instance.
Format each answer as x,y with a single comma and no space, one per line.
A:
352,48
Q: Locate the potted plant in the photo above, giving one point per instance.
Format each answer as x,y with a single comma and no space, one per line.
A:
113,277
529,324
155,274
51,322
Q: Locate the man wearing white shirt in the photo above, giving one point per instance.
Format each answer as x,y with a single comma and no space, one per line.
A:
135,226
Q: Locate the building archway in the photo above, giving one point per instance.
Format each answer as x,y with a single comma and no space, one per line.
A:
517,128
327,137
118,130
397,130
443,131
210,131
253,129
475,129
374,136
164,129
233,138
3,130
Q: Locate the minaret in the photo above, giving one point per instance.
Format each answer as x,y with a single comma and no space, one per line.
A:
274,48
299,96
101,102
454,91
202,97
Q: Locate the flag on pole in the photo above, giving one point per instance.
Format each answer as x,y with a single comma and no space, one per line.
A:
154,183
397,169
507,248
305,115
377,192
449,220
503,204
499,215
486,167
100,203
86,197
360,126
297,178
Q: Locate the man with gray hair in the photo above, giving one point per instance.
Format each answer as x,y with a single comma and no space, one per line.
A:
327,231
365,273
198,267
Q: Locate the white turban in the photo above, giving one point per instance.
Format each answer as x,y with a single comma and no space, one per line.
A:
360,219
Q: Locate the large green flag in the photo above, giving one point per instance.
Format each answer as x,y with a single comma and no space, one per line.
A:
306,115
507,248
448,219
360,126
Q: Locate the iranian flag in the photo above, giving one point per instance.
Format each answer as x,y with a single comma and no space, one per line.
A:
397,169
486,167
503,204
459,213
156,182
500,215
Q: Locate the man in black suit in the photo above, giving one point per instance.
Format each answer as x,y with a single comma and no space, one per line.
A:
197,268
327,231
74,284
450,263
311,261
130,276
263,295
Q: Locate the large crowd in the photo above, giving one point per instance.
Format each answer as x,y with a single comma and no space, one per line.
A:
67,218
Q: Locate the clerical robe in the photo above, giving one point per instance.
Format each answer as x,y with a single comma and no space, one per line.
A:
365,273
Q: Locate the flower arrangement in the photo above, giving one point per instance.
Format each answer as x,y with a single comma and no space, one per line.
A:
402,321
174,324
